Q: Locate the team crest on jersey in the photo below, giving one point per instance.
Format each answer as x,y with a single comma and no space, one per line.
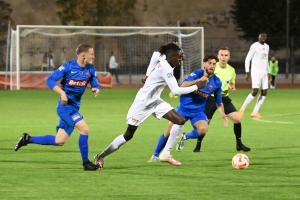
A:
210,87
169,75
87,74
61,68
263,56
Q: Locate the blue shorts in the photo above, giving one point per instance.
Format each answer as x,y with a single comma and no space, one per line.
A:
69,115
193,117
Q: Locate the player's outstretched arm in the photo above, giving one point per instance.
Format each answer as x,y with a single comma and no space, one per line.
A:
222,112
94,83
53,78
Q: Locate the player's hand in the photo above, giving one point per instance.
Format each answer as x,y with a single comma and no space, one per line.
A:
95,91
232,89
201,82
64,99
225,120
144,79
247,76
270,78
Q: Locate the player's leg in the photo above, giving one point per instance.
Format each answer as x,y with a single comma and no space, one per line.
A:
166,111
162,140
210,109
232,113
249,99
261,98
200,124
58,140
256,84
136,115
272,85
115,145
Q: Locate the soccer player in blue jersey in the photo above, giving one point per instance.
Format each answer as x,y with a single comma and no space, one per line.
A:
75,76
192,105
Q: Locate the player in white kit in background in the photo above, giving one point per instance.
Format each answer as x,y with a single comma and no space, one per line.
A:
260,75
148,102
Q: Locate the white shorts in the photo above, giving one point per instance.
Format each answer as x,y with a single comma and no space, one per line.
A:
260,81
138,112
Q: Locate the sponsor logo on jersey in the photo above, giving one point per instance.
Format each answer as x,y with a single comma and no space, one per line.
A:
134,121
202,94
80,73
193,74
75,117
169,75
80,83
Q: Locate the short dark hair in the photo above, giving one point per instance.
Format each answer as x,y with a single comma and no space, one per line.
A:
209,57
83,48
262,32
170,47
224,48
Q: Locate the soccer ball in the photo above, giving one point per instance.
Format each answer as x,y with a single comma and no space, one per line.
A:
240,161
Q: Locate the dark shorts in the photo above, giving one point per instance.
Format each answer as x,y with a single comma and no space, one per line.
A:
211,106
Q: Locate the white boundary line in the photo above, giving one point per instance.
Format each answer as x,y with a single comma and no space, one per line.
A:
270,121
277,122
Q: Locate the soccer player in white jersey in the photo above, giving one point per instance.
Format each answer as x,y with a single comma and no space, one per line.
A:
148,102
260,75
157,57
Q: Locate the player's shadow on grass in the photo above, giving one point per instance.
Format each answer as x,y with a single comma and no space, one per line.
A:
271,148
40,150
49,162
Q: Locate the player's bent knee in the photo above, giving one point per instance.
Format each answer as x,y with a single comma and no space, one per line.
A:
60,144
202,131
180,121
128,136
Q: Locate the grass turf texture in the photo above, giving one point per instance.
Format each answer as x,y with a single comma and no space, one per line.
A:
47,172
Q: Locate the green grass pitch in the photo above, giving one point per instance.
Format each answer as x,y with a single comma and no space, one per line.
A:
47,172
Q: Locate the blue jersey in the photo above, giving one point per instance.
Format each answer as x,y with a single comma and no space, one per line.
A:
74,80
195,102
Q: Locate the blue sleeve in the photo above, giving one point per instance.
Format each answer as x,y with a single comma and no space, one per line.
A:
196,74
57,75
218,92
94,80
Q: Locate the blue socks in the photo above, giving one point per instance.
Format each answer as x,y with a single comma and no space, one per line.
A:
160,145
43,140
192,135
84,147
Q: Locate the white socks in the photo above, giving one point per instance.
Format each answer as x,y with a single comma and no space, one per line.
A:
247,101
174,135
259,102
115,145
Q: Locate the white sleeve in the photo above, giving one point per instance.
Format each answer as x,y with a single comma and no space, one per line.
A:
156,57
167,73
249,57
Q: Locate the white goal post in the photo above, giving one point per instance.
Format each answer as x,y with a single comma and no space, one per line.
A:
36,50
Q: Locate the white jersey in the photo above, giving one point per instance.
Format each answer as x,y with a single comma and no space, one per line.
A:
161,76
156,57
258,55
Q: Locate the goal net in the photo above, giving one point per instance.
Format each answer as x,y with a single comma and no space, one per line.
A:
38,50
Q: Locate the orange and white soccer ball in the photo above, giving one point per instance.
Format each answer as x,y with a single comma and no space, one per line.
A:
240,161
